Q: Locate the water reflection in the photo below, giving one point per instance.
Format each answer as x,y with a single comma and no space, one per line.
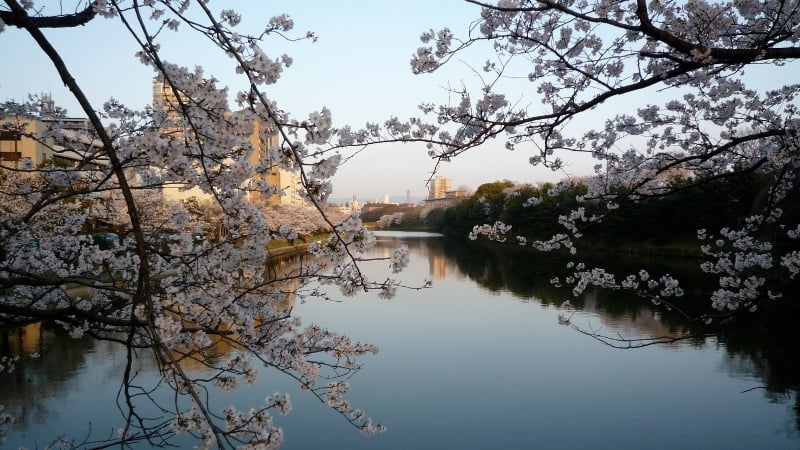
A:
48,361
23,386
478,352
765,346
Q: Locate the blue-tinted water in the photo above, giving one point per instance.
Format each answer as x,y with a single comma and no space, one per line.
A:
470,364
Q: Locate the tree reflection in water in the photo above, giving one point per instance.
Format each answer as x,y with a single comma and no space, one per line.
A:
48,361
50,366
764,345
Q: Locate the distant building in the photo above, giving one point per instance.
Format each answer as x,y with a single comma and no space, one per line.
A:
439,187
353,205
441,195
168,100
348,207
286,181
24,142
165,98
17,149
451,198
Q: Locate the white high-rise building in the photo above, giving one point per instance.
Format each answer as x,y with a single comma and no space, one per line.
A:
439,187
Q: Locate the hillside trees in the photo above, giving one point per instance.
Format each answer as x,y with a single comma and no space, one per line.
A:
532,211
168,297
650,90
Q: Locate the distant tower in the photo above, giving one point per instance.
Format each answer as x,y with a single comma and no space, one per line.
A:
408,195
48,106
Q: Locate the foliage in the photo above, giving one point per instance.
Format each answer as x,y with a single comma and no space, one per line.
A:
513,205
533,213
677,91
372,212
160,289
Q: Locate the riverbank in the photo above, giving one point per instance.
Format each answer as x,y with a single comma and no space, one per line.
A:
502,297
288,249
670,248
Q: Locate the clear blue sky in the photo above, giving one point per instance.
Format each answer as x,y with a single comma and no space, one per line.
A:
359,68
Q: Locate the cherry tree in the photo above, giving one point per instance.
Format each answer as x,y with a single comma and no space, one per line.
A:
386,220
296,221
167,294
107,207
650,90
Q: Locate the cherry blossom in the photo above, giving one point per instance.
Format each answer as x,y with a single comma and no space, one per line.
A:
90,241
692,110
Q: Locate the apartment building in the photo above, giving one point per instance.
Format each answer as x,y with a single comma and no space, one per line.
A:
18,148
287,182
24,143
439,187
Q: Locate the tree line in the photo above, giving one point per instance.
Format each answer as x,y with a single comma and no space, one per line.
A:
656,223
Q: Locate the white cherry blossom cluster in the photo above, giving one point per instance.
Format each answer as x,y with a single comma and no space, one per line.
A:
577,54
388,220
193,421
748,267
657,290
255,427
495,232
710,124
532,201
98,246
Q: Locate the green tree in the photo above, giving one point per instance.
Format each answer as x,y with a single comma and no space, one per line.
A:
650,90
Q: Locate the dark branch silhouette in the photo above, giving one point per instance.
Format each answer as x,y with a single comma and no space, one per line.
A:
64,21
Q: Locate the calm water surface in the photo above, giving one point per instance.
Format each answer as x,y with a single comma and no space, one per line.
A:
479,361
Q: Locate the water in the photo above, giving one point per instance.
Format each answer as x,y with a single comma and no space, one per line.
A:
478,361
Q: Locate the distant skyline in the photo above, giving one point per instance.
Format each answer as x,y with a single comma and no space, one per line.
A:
359,69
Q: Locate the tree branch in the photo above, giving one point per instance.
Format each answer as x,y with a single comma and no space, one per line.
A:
143,290
14,18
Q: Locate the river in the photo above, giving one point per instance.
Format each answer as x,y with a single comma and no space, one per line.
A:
477,361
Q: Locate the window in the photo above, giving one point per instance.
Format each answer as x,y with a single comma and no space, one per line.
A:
10,156
10,135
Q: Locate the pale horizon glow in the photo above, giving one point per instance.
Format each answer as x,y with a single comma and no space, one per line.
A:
359,69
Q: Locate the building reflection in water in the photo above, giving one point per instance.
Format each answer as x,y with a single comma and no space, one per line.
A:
23,341
47,360
768,354
50,363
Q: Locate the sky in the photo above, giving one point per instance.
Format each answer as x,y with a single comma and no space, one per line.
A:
358,68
